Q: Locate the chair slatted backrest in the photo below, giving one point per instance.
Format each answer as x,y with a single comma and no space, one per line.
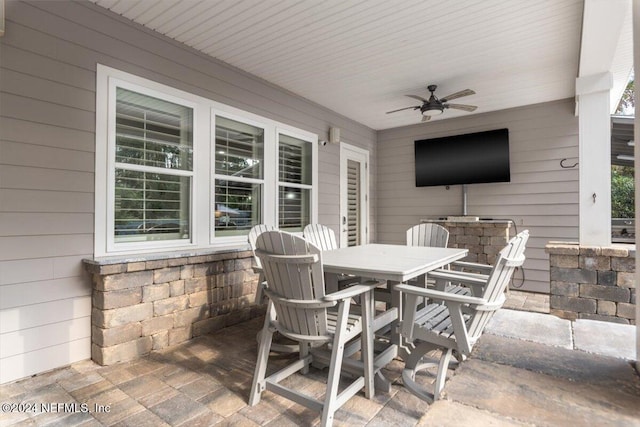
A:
293,268
321,236
509,258
255,231
428,234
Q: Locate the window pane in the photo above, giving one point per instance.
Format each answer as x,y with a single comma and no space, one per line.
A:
151,206
294,208
239,149
153,132
294,160
237,207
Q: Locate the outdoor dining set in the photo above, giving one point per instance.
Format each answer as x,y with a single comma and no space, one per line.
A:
355,309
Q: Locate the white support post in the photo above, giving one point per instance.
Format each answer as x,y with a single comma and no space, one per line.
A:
595,158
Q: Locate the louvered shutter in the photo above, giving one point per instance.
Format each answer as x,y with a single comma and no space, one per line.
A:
353,203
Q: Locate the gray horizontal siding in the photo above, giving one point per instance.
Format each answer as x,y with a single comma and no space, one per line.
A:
541,197
47,143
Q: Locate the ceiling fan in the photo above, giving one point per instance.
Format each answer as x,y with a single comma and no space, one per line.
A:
434,106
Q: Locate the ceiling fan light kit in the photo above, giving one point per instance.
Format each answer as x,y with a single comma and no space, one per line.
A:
434,106
432,111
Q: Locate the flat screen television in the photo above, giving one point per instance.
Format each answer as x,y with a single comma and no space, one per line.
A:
471,158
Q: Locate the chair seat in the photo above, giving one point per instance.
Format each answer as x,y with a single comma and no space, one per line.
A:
354,323
435,318
459,290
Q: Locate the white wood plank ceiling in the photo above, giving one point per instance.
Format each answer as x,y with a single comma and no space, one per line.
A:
359,57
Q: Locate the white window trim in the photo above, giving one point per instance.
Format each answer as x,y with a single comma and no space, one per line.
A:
203,178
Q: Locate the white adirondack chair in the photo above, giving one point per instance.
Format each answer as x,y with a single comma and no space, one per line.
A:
325,238
428,234
467,269
255,231
321,236
455,321
293,269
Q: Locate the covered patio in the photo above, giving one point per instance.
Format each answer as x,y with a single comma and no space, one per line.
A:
141,140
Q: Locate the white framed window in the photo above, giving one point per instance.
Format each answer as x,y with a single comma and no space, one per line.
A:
153,169
238,176
295,181
176,171
145,173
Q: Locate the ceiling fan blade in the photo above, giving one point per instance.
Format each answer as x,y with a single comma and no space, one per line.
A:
401,109
425,118
464,107
419,98
456,95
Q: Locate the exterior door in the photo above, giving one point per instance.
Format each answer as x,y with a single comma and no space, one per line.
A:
354,195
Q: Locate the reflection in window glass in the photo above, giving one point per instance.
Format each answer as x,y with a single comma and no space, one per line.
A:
294,158
151,206
295,179
239,171
294,211
153,132
239,149
237,207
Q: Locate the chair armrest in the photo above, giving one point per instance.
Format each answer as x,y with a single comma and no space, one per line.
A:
462,274
353,290
459,277
298,303
440,295
473,266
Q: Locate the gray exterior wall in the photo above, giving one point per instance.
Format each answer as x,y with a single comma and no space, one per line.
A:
541,197
47,143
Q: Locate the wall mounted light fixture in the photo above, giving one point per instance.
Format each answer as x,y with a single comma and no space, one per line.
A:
334,135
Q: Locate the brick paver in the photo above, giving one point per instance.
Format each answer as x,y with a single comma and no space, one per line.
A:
206,381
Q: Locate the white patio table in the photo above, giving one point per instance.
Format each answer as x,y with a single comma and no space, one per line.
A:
395,264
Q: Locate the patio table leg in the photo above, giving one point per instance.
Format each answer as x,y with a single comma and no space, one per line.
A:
404,349
367,303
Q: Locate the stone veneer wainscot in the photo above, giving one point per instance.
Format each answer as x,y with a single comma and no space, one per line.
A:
593,282
148,303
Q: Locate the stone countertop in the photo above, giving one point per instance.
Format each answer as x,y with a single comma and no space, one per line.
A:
461,220
154,256
574,248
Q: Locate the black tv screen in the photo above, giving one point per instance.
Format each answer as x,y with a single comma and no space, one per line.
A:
463,159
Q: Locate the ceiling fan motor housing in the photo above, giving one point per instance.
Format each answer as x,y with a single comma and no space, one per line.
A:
432,108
